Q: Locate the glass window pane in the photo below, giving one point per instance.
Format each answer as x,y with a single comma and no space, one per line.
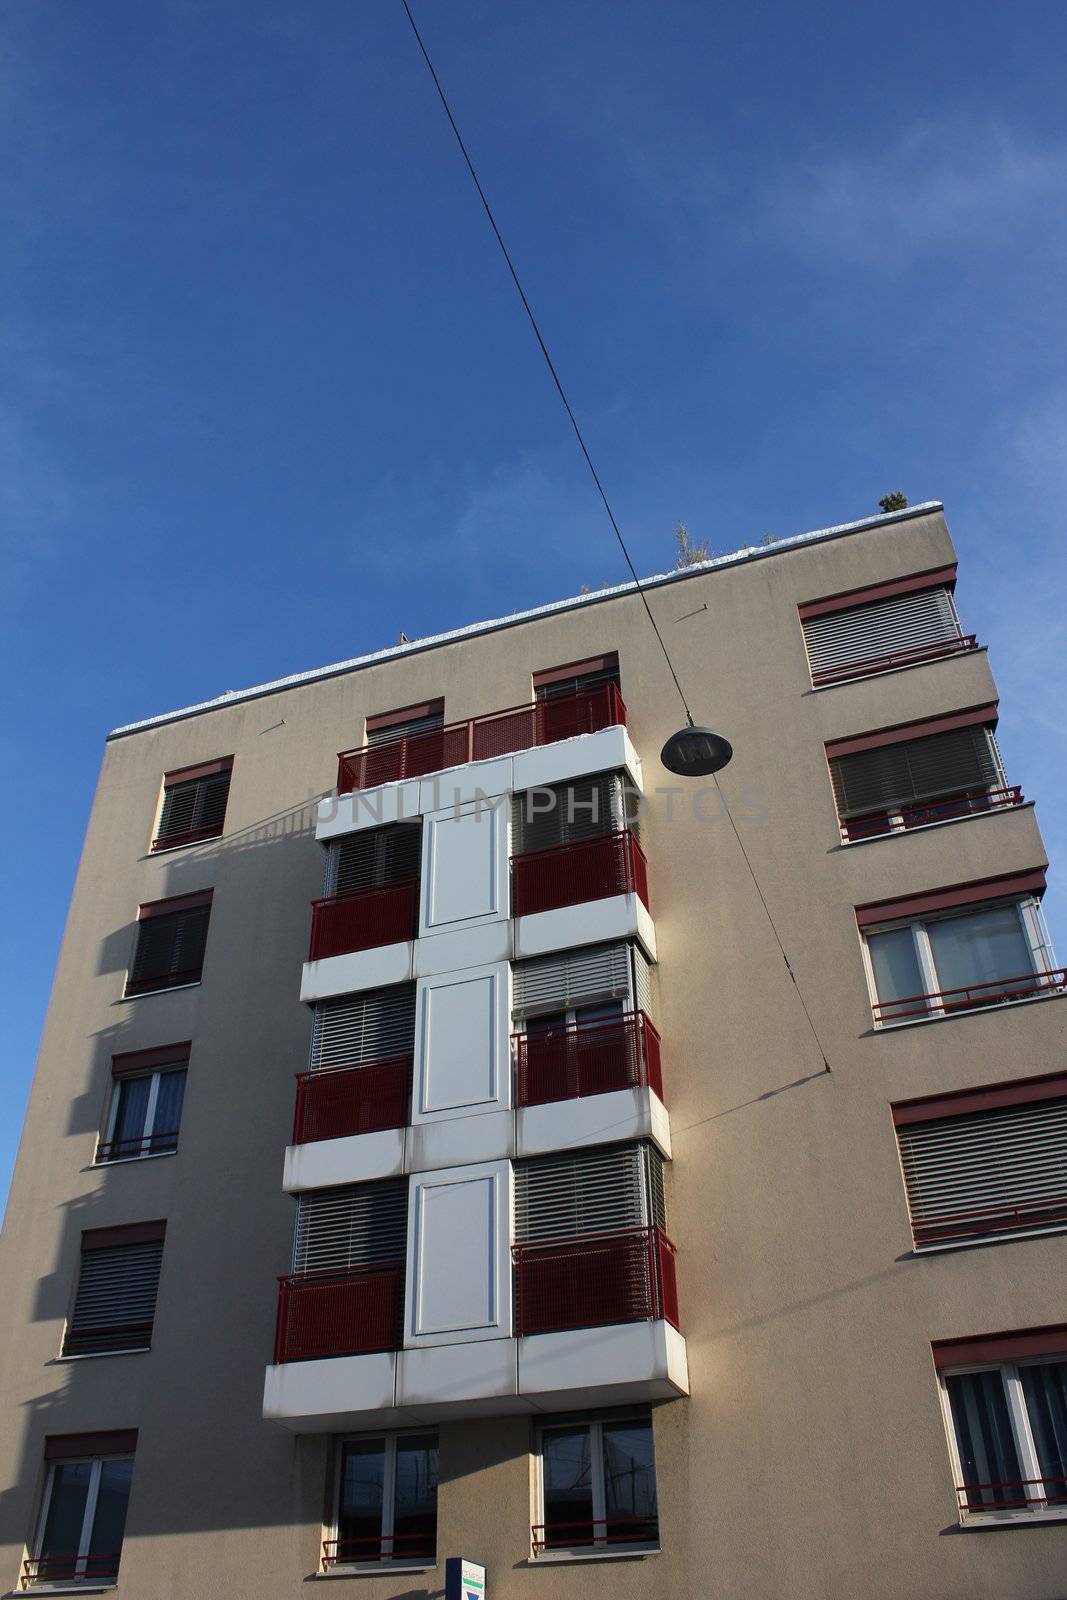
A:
105,1546
567,1476
1045,1389
359,1520
61,1539
991,1472
415,1510
980,948
129,1118
168,1116
630,1482
897,975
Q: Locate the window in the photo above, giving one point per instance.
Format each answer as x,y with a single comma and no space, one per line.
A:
575,979
887,782
1005,1401
407,723
985,1163
578,677
386,1501
355,1028
115,1304
596,1487
900,623
955,952
83,1510
194,804
145,1111
373,858
566,813
171,938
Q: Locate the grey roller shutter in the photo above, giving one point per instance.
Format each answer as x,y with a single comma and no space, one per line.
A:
373,858
194,807
902,624
644,995
406,730
588,1192
893,775
360,1225
565,813
987,1172
571,978
116,1300
373,1026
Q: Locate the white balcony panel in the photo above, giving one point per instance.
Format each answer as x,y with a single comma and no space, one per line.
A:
457,948
464,867
459,1255
619,916
478,780
610,750
358,1158
619,1365
322,1396
459,1141
460,1375
366,808
595,1119
462,1063
359,969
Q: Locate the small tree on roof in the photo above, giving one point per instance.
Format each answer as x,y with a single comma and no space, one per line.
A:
689,555
896,500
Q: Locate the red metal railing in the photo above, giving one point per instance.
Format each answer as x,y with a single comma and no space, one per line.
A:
895,658
998,991
148,1144
595,1281
586,1059
69,1569
359,921
979,1221
389,1547
500,733
974,803
338,1101
595,1533
569,874
1015,1494
349,1313
172,841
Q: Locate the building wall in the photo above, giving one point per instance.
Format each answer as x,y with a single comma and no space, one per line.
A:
811,1458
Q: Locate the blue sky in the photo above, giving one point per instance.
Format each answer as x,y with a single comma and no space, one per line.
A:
268,397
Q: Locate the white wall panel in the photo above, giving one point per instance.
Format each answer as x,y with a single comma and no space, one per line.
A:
459,1255
464,867
462,1065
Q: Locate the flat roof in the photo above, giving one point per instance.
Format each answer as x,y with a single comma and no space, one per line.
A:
432,641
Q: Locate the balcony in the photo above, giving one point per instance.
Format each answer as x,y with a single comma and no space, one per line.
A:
322,1314
997,992
822,677
877,824
480,738
570,874
596,1281
339,1101
589,1058
360,921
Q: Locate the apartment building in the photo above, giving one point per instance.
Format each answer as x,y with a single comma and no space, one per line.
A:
431,1155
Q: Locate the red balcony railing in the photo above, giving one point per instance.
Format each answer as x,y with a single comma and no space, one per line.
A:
69,1569
895,658
878,823
338,1101
398,1547
569,874
149,1144
362,920
594,1534
596,1281
1017,1494
998,991
982,1221
349,1313
588,1058
519,728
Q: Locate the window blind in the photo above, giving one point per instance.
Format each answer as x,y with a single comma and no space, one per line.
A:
588,1191
115,1305
398,725
170,947
356,1226
903,623
373,858
193,806
580,809
571,978
904,774
363,1027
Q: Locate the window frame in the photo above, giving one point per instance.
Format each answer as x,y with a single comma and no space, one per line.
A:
1034,931
83,1584
600,1550
1022,1435
169,906
331,1530
107,1136
203,771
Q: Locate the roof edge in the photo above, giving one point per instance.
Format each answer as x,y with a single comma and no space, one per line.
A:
572,603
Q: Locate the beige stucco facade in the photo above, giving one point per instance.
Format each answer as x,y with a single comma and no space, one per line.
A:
810,1459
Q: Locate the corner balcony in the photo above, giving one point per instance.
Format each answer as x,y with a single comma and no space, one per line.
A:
875,825
360,921
596,1281
326,1314
349,1124
581,893
971,997
591,1083
500,733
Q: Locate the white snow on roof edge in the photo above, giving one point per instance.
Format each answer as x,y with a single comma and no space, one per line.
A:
416,646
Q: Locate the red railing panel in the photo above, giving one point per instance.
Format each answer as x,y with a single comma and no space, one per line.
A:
595,1533
595,1281
149,1144
570,874
340,1101
352,1313
974,803
997,991
500,733
896,658
390,1547
587,1059
359,921
1016,1494
70,1569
